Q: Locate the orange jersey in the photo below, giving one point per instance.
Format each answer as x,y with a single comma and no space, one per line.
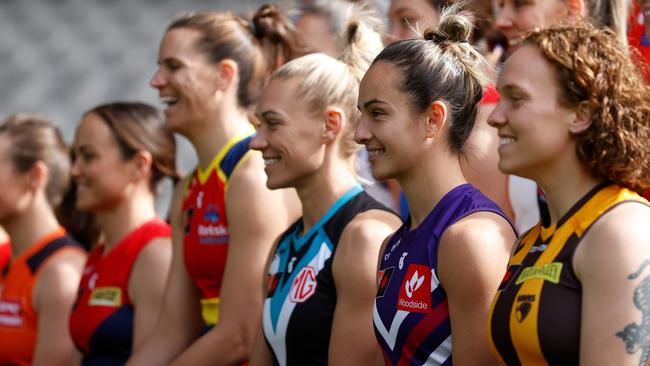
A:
206,235
18,319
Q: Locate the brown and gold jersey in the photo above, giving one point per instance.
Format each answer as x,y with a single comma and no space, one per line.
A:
535,316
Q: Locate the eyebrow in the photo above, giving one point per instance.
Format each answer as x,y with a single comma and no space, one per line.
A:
370,102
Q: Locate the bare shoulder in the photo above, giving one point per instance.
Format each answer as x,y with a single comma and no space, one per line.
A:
480,227
157,251
59,277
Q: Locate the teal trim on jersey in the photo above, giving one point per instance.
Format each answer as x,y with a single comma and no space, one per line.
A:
347,196
315,235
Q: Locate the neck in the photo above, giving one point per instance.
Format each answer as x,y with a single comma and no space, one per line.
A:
127,216
322,189
426,184
30,226
215,134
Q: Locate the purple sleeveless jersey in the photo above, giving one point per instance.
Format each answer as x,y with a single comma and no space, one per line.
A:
411,317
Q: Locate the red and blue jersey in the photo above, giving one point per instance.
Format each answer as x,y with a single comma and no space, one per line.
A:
18,319
206,236
637,38
102,320
411,314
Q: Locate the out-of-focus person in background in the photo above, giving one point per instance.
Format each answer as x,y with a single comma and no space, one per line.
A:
39,286
576,287
224,218
638,34
121,152
322,273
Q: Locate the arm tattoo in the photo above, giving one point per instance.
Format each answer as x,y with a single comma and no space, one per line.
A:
637,337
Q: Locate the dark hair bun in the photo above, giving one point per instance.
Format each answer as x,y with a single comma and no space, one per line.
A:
455,26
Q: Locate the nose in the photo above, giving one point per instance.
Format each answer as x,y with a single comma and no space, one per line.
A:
157,80
75,171
362,134
497,118
503,17
259,141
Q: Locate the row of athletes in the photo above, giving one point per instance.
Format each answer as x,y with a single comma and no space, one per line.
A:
574,126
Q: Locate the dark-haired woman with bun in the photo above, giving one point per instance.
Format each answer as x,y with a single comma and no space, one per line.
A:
439,271
224,219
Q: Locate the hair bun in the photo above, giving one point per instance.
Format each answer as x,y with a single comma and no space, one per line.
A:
455,26
265,21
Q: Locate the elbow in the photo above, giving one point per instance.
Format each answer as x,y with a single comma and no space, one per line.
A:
241,342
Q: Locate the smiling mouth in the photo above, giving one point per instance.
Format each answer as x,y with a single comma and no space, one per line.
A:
506,141
375,153
270,161
169,101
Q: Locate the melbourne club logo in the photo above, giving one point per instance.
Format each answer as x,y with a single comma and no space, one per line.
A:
304,285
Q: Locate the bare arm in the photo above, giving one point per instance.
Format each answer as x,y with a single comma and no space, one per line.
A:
180,320
355,275
250,205
53,296
611,265
147,286
472,260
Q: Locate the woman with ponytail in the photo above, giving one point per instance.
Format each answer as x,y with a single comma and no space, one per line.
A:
121,153
439,271
39,286
322,271
212,68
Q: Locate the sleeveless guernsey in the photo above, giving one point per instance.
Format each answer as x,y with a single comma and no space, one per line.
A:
102,319
299,307
205,242
18,319
535,316
411,316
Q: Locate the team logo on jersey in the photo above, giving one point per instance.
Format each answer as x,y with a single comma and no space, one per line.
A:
106,296
415,292
304,285
383,278
511,273
549,272
11,313
392,248
538,248
211,214
524,304
401,260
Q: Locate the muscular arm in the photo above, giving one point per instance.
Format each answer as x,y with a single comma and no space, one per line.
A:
611,264
256,216
53,296
355,274
472,260
180,321
147,286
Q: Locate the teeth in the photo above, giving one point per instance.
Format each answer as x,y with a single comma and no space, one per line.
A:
514,41
270,161
168,100
375,153
506,140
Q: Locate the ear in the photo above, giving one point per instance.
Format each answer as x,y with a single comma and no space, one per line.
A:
576,8
334,118
227,71
142,162
436,117
38,176
583,119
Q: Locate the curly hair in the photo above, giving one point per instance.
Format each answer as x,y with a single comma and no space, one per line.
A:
594,71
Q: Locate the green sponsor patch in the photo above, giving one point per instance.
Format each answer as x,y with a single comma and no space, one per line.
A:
549,272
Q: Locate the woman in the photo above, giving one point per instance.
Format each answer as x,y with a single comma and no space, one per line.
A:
39,286
212,66
439,271
121,153
322,272
579,127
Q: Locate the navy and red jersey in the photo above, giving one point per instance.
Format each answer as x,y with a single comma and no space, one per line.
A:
5,255
411,314
18,319
206,236
102,319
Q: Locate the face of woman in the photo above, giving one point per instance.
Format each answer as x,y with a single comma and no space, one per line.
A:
534,135
185,80
405,14
289,136
14,194
516,17
316,36
390,128
101,173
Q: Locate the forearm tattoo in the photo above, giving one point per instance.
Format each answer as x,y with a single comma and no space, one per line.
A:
635,336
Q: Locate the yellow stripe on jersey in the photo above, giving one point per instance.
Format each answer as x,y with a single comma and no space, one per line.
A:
210,310
203,175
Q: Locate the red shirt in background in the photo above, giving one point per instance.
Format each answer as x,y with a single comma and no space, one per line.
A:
638,40
5,255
